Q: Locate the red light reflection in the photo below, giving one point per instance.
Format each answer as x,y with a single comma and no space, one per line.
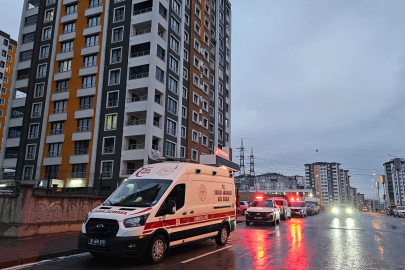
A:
298,254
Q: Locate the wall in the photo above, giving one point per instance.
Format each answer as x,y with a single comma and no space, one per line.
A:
26,214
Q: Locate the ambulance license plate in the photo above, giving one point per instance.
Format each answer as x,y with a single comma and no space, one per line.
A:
258,217
96,242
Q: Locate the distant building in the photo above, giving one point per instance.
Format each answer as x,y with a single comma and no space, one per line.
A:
353,193
360,201
275,181
345,186
392,175
324,179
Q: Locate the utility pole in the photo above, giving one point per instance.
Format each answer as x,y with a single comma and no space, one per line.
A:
252,168
242,162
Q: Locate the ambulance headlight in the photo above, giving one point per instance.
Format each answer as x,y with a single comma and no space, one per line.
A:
135,221
87,218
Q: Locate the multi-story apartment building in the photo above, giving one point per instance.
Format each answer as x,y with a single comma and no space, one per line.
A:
110,85
275,181
395,181
355,200
8,49
324,179
345,186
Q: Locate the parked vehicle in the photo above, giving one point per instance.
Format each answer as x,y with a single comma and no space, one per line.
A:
390,209
244,205
311,209
314,201
399,211
365,209
162,205
263,210
298,208
285,211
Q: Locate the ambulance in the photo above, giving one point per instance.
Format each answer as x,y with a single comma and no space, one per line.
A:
160,206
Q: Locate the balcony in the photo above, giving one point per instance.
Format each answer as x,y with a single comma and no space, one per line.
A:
57,117
128,171
79,159
141,11
83,112
91,30
67,36
90,48
136,99
157,124
133,152
83,133
65,54
13,142
138,76
69,17
88,69
135,122
55,138
10,156
60,96
62,75
141,32
94,9
138,54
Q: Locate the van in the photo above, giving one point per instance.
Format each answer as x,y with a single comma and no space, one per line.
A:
160,206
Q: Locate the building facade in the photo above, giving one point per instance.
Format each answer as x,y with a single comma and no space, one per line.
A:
345,186
324,179
394,181
108,86
355,199
8,49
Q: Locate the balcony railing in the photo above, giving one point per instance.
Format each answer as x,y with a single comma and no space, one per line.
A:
135,122
30,23
68,49
141,32
159,101
54,153
78,174
137,54
61,89
22,77
27,40
90,44
162,35
9,156
20,115
157,124
83,129
27,58
109,150
88,85
142,11
135,99
60,70
59,110
112,103
81,152
89,64
160,56
134,147
68,30
171,131
138,76
14,135
93,24
56,131
85,107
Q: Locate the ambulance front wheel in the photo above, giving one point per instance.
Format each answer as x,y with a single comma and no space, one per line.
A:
157,249
222,236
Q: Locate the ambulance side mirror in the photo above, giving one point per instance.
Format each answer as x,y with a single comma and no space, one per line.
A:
170,207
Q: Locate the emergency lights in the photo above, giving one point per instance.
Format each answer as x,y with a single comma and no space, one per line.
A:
259,198
292,199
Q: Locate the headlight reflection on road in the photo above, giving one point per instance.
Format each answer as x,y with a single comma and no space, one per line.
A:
350,223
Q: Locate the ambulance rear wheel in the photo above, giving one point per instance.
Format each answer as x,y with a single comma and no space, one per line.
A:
157,249
222,236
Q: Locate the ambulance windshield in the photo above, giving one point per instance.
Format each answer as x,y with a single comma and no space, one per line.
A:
139,192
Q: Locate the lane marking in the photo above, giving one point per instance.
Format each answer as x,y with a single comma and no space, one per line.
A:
206,254
46,261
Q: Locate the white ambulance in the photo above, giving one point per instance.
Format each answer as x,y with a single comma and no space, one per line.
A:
160,206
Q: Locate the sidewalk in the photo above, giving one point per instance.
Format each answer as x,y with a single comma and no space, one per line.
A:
15,252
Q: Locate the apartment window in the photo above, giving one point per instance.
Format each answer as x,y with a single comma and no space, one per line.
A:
195,99
226,122
160,75
115,77
3,53
195,117
4,90
65,66
204,140
221,58
171,127
197,11
31,20
220,102
227,65
187,3
44,52
27,38
170,149
184,112
205,122
116,55
107,169
118,34
86,103
70,9
49,15
220,118
57,128
185,55
197,28
90,61
69,27
221,88
3,64
205,88
2,101
89,81
185,73
162,10
174,44
212,111
81,147
174,64
176,7
196,80
62,86
211,145
194,136
36,110
175,25
212,80
47,33
172,105
59,106
108,145
186,19
41,71
28,172
33,131
55,150
30,153
220,133
194,155
91,41
206,72
84,125
173,84
79,170
95,3
119,14
66,47
206,23
183,152
112,99
221,73
196,62
39,90
111,122
205,105
185,92
186,37
183,132
24,56
196,45
207,8
93,21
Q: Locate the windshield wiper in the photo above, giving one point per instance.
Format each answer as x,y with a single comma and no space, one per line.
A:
110,202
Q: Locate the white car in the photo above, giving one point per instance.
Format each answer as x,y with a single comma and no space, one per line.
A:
263,210
399,211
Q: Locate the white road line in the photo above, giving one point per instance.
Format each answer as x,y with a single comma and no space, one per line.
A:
206,254
45,261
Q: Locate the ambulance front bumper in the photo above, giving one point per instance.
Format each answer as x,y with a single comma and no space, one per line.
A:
117,246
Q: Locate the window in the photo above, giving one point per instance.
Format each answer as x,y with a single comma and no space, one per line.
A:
41,71
184,112
184,92
183,152
170,149
206,72
81,147
197,28
195,117
47,33
221,73
205,88
205,122
162,11
174,44
221,58
90,61
4,90
69,27
207,8
196,80
220,133
33,131
227,122
220,103
5,42
196,99
49,15
186,19
3,53
196,45
118,34
172,105
206,55
176,7
111,122
62,86
183,132
65,66
194,155
161,53
194,136
160,75
112,99
171,127
44,52
220,118
96,3
186,37
31,149
93,21
116,55
212,79
108,145
211,145
79,170
3,64
70,9
205,106
39,90
91,41
55,149
107,169
211,128
221,88
174,64
175,25
185,55
59,106
197,12
84,125
204,140
173,84
119,14
57,128
2,101
36,110
24,56
86,103
115,77
27,38
207,23
196,62
212,111
28,172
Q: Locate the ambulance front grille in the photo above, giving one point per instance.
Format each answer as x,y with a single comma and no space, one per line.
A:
102,228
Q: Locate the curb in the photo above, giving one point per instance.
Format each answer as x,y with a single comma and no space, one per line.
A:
42,257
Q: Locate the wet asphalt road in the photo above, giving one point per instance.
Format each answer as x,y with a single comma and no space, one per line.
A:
367,241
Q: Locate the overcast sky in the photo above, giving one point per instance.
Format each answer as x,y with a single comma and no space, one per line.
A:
312,75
